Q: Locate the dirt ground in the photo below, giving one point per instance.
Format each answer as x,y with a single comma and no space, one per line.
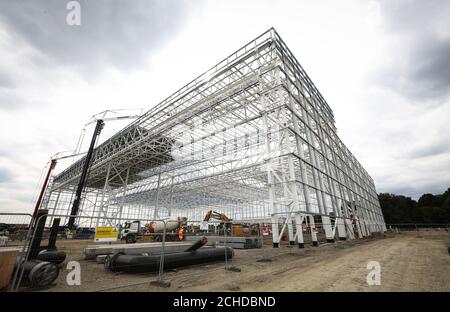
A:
413,261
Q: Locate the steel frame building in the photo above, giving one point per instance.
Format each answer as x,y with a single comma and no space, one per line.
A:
252,138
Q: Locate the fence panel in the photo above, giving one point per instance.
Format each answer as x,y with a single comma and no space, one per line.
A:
143,253
14,228
408,227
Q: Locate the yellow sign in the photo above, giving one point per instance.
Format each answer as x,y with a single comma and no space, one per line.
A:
106,234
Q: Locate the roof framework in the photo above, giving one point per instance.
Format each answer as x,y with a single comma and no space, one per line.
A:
252,137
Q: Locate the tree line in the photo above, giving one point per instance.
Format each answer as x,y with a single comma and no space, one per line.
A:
431,209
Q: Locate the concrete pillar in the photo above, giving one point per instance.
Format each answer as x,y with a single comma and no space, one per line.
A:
342,233
312,224
349,227
299,228
275,231
326,223
291,232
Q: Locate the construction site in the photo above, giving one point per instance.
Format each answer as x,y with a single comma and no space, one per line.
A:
238,181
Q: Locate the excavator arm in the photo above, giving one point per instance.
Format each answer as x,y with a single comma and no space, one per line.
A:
216,215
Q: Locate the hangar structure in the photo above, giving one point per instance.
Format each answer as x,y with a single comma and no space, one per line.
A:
252,138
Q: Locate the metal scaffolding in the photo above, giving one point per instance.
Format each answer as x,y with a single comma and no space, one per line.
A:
252,138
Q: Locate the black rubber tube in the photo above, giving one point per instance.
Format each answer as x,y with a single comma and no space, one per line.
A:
40,273
53,256
141,264
198,244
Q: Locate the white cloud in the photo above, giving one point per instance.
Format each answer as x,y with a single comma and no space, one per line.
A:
346,48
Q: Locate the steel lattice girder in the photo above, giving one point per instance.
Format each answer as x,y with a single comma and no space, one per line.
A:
255,121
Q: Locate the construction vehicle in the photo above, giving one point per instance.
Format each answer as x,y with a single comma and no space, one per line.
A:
224,224
233,229
99,120
216,215
133,231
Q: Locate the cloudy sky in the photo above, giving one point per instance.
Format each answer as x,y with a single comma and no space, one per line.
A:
383,66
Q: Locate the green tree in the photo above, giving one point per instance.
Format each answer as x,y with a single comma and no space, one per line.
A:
428,209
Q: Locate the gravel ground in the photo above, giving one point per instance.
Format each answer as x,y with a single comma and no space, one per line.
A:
414,261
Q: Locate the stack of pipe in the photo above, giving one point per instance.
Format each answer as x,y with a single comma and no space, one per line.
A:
192,255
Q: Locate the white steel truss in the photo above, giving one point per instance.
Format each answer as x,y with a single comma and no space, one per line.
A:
252,138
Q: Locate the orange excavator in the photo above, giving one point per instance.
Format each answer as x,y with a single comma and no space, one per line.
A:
225,221
233,229
216,215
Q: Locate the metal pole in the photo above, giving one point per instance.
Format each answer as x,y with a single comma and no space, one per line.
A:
84,172
124,193
55,205
155,213
225,244
171,197
44,186
159,281
93,209
264,257
100,209
161,262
